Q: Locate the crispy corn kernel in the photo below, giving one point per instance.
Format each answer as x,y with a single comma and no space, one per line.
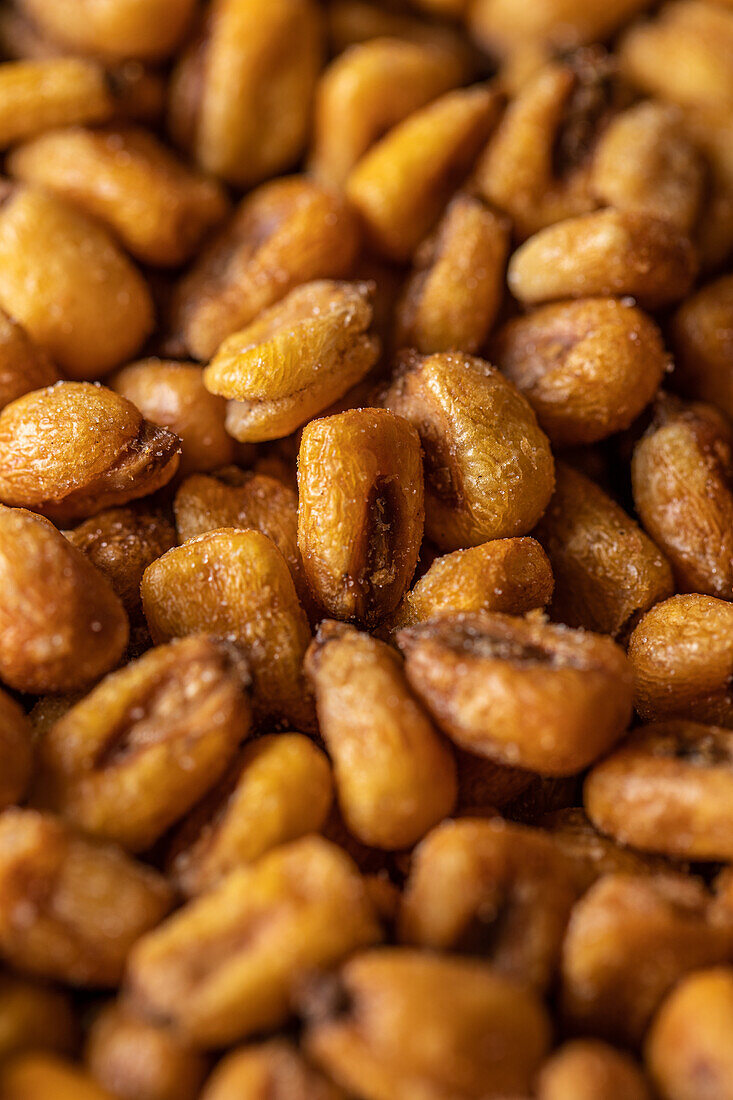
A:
61,624
279,788
287,232
71,908
146,744
522,692
395,778
226,965
360,518
74,448
240,95
236,584
67,282
160,209
297,358
489,471
401,185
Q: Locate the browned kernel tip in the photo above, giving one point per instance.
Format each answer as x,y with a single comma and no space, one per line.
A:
523,692
172,395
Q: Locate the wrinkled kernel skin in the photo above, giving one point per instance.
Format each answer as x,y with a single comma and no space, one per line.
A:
225,965
607,571
274,1070
688,1045
439,1026
236,584
682,656
173,396
508,575
126,778
241,94
667,789
231,497
395,777
401,185
630,938
63,277
278,788
121,543
491,889
160,209
34,1016
361,511
702,340
71,908
16,754
72,449
61,624
136,1060
367,90
607,252
587,368
286,232
295,359
520,691
23,365
120,29
453,296
33,1075
38,94
588,1069
489,471
682,480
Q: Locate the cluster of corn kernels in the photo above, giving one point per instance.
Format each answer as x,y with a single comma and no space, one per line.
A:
366,550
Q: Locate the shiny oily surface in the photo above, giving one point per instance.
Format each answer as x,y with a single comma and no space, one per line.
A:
366,550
